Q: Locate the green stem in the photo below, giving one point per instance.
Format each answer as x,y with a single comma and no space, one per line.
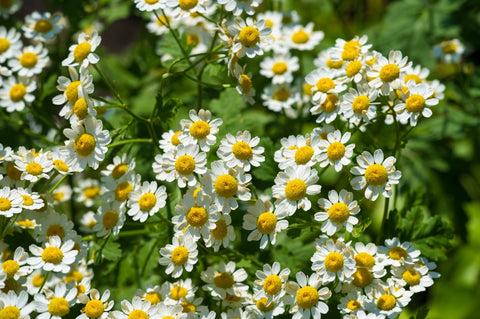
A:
384,219
43,282
5,231
58,183
133,140
102,75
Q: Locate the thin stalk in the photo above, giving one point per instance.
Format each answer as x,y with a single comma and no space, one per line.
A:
130,141
43,282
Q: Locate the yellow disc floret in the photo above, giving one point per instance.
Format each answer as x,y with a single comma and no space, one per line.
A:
362,277
360,104
353,305
17,92
334,261
71,92
10,312
119,170
91,192
122,191
28,60
353,68
245,83
81,51
249,36
338,213
279,68
34,169
242,150
178,292
397,253
220,230
364,260
281,95
94,308
185,165
325,84
226,186
27,200
56,230
58,307
187,4
411,277
389,72
110,219
5,204
415,103
84,144
223,280
52,255
179,255
300,37
272,285
153,297
10,268
376,175
295,189
200,130
303,154
4,45
147,201
266,223
61,165
80,108
335,151
138,314
43,26
330,104
386,302
262,305
197,216
307,297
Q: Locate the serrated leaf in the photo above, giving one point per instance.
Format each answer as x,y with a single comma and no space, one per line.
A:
112,251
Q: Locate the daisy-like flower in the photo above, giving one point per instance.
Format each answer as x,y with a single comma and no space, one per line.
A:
334,151
250,37
158,23
416,102
369,265
279,68
324,60
62,194
57,304
225,280
171,311
309,299
120,167
154,294
179,291
9,43
200,129
34,167
375,173
280,97
182,253
264,309
339,210
323,82
62,163
31,200
222,235
137,309
333,260
87,192
10,202
169,140
351,50
303,150
55,256
41,26
271,282
83,51
386,73
241,151
7,8
416,276
352,303
359,104
109,219
196,216
96,306
119,190
87,142
327,110
303,38
398,253
185,8
224,184
17,266
16,93
264,223
149,5
389,299
237,7
146,201
31,60
6,153
15,306
292,186
449,51
417,73
181,164
245,86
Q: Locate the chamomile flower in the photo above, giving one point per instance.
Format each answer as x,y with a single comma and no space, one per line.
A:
54,224
17,267
62,163
14,305
376,174
8,8
389,300
324,83
31,60
200,129
9,43
324,61
171,311
303,38
158,23
146,201
87,142
119,190
31,199
359,104
309,297
398,253
185,8
351,50
245,87
333,260
417,73
179,291
15,93
55,256
264,309
121,166
109,219
222,235
10,202
415,102
449,51
369,264
34,167
96,305
35,280
87,222
41,26
339,210
334,151
271,282
57,304
415,276
292,186
149,5
352,303
301,150
279,68
224,280
281,97
264,222
137,309
154,294
87,191
251,37
170,141
241,151
83,51
182,253
237,7
386,73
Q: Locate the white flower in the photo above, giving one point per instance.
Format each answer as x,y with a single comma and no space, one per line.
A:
34,167
137,309
96,306
250,37
146,201
271,282
16,93
333,260
15,306
375,173
9,8
200,129
245,86
386,73
416,102
31,60
10,202
359,104
17,267
416,276
225,280
299,150
303,38
397,253
184,8
150,5
9,43
55,256
120,168
351,50
178,292
237,7
109,219
31,200
449,51
279,68
169,140
222,234
309,298
241,151
88,191
339,211
333,150
41,26
182,253
388,300
323,82
82,53
57,304
366,257
280,97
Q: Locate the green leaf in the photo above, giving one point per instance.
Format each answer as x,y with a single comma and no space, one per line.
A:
112,251
268,169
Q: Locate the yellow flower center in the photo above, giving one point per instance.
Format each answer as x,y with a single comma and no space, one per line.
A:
279,68
187,4
268,23
81,51
43,26
386,302
325,84
360,104
362,277
397,253
364,260
37,280
151,1
5,204
411,277
187,307
192,39
34,169
71,92
26,223
58,307
223,280
307,89
80,108
185,165
119,170
300,37
232,298
389,72
200,130
10,312
60,165
122,191
175,141
330,104
162,20
353,305
281,95
17,92
4,45
178,292
295,190
272,285
242,151
414,77
28,60
226,186
335,151
353,68
197,216
147,201
338,213
249,36
307,297
415,103
262,305
91,192
13,172
303,154
350,53
10,267
138,314
334,261
153,297
56,230
179,255
245,83
110,219
58,196
220,230
376,175
84,144
74,276
449,48
94,308
266,223
334,64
